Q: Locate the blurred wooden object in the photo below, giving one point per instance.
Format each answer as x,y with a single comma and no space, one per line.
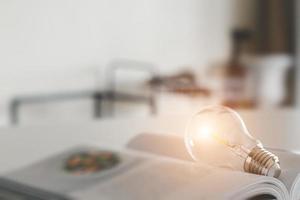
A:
184,83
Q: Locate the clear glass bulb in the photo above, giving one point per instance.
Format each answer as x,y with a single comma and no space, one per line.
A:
218,136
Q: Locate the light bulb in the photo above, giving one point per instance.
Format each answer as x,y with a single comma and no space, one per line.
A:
218,136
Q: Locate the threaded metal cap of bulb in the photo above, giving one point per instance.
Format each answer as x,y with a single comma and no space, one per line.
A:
262,162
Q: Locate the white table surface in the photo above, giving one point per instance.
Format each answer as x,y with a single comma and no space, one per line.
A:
20,146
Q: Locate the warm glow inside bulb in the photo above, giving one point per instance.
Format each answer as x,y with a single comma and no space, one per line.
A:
204,133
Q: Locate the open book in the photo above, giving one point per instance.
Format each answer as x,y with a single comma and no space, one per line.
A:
153,167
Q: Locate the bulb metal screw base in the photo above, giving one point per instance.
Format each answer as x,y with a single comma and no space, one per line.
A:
262,162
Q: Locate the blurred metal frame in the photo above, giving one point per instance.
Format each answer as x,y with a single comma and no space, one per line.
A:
111,94
97,96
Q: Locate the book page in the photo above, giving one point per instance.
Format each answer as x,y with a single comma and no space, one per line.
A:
168,179
51,175
143,176
152,180
290,175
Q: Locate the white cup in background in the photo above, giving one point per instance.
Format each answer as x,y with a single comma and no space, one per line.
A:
269,75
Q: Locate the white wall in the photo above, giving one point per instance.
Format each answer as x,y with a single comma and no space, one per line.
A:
50,45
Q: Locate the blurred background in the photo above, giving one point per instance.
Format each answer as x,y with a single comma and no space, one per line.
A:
77,60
